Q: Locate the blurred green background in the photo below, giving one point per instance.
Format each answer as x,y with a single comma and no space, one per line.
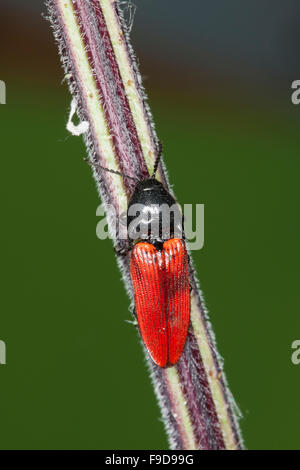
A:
219,87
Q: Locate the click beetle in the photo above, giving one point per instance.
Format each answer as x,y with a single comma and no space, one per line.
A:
159,269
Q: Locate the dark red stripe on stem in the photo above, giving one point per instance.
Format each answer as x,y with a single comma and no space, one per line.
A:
121,93
173,430
111,90
224,386
139,86
103,180
199,399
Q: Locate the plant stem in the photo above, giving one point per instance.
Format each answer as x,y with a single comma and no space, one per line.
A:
103,77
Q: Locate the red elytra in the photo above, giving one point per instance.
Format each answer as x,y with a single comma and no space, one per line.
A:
162,298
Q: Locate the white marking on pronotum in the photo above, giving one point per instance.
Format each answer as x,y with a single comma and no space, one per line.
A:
80,128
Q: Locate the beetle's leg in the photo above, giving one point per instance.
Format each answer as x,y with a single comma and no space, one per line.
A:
133,322
135,315
183,232
191,273
124,250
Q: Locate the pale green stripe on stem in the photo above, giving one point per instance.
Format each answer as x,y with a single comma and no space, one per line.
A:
91,97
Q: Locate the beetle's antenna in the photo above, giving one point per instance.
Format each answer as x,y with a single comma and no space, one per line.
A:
159,154
97,165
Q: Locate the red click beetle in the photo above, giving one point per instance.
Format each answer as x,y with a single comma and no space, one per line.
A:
159,269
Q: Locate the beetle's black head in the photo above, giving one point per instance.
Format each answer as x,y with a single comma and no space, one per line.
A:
153,213
149,192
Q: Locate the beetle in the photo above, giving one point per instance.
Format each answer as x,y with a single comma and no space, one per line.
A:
159,268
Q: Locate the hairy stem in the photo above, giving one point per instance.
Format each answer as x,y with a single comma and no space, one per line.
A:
117,126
